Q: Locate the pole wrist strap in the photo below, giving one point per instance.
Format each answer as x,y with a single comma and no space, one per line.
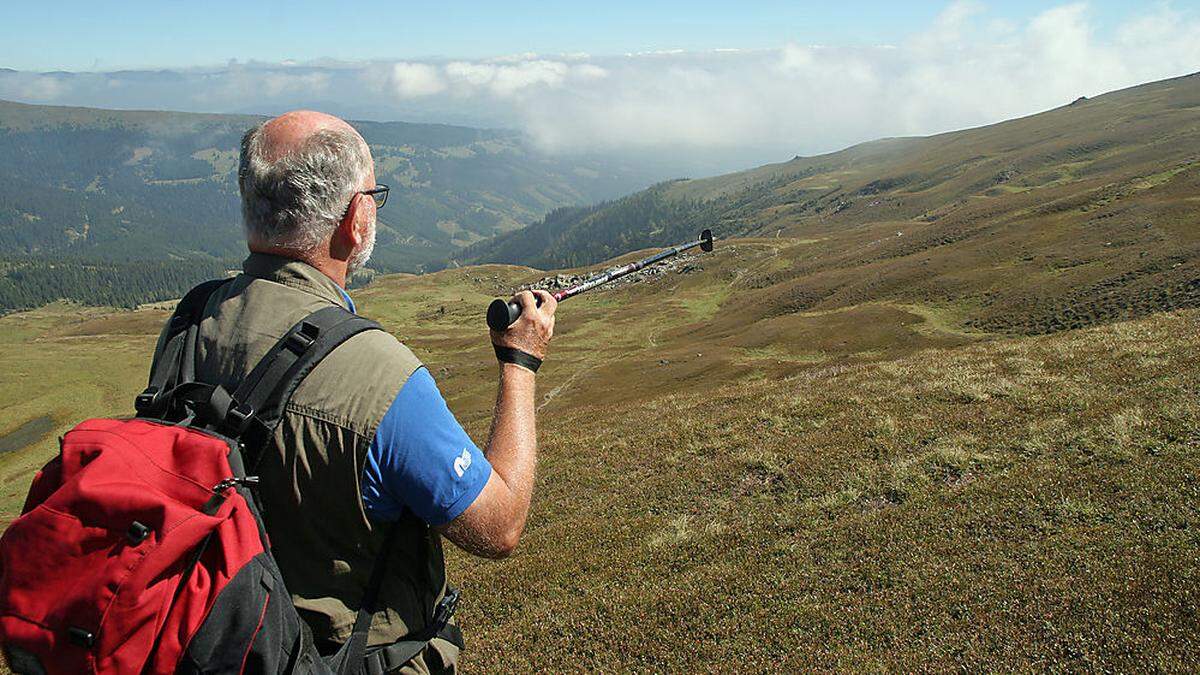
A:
520,358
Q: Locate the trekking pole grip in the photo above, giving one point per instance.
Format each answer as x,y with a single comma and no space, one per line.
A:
502,314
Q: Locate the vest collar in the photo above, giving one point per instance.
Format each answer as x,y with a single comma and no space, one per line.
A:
297,274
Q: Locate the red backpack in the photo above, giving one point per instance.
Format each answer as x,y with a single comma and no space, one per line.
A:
141,547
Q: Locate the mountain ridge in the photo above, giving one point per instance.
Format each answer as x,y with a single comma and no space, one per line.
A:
1081,214
457,184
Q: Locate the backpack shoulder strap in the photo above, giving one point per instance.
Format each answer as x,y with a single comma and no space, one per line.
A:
257,406
252,412
175,361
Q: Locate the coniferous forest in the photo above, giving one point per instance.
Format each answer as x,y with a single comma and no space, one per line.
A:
26,283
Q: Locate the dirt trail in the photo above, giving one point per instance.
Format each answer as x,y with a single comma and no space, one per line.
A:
550,395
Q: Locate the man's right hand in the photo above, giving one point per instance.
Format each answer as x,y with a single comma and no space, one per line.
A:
532,331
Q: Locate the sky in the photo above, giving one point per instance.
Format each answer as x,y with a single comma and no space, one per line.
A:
757,80
136,34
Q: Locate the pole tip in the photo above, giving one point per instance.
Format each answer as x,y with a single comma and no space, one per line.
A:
706,241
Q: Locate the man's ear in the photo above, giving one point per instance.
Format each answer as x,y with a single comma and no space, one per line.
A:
348,231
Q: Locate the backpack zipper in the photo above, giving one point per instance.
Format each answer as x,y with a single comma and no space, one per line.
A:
214,502
245,481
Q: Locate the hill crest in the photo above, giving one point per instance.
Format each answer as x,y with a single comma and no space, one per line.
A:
1077,215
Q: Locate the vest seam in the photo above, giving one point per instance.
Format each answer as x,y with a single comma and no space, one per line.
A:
326,416
301,285
305,287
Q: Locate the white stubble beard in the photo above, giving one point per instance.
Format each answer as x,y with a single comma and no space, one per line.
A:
359,258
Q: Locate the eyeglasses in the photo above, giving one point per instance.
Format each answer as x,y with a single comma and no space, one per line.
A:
379,194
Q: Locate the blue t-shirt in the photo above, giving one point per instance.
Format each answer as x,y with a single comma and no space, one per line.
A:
421,459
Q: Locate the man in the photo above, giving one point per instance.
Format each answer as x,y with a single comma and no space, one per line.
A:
367,439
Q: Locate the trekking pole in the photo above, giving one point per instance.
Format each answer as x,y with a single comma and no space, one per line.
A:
501,314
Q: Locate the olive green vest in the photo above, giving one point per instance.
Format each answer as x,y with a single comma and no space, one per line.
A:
310,473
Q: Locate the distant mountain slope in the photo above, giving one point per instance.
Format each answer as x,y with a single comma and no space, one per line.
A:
117,185
1080,214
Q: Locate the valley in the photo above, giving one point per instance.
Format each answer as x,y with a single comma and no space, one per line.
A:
113,207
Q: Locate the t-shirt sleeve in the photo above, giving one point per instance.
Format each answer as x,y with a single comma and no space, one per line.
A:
421,459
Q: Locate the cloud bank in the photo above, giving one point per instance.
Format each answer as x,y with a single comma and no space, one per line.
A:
967,68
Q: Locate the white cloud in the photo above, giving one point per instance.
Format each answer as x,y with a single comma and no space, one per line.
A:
504,78
240,82
276,84
514,58
967,67
411,80
508,80
471,74
511,77
33,87
589,71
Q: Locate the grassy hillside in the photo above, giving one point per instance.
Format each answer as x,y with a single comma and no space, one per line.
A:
1080,215
728,482
80,186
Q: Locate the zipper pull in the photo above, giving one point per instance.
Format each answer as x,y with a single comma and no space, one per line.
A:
214,502
245,481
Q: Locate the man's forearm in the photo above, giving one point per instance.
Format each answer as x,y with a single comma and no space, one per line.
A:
512,444
493,524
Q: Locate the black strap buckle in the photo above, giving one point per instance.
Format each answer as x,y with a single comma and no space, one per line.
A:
299,341
445,608
147,401
238,418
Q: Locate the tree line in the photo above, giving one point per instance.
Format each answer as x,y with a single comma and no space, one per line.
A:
26,283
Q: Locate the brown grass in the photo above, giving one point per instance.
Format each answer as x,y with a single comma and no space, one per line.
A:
726,488
1021,504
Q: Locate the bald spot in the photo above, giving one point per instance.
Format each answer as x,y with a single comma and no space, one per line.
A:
288,132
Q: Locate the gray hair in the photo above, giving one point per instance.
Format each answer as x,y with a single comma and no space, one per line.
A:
297,200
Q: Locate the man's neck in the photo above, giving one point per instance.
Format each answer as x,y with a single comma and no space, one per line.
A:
334,269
